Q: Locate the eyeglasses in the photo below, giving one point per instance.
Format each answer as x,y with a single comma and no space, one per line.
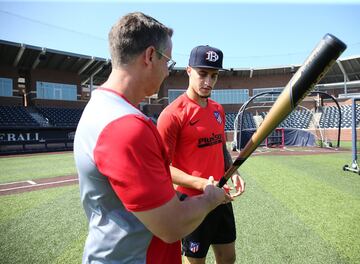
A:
170,62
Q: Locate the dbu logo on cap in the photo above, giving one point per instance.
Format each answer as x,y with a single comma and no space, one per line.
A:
212,56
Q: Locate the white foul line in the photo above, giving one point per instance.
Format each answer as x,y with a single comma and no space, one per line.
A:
8,183
36,185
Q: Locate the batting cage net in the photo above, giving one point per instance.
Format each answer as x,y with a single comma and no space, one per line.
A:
315,122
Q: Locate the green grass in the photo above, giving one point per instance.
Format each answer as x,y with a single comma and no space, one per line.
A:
36,166
348,144
303,204
296,209
46,226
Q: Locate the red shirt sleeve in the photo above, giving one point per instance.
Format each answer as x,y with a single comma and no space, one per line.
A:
130,153
168,126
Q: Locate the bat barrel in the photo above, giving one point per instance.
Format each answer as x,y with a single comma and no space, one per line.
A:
315,67
307,76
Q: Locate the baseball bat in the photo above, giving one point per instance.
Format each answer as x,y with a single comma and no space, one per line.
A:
306,77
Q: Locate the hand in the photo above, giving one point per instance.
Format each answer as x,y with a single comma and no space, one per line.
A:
227,190
215,194
239,185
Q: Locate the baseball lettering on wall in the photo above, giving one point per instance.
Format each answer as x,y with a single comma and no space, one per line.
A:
37,135
20,136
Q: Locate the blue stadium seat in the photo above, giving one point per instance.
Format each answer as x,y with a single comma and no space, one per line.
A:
330,116
248,121
61,117
16,116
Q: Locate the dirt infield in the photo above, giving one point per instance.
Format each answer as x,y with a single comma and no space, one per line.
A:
39,184
297,151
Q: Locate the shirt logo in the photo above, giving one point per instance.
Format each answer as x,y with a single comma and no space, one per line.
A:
210,141
193,122
218,117
194,247
212,56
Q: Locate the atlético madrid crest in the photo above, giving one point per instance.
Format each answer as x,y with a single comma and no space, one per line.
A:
194,247
218,117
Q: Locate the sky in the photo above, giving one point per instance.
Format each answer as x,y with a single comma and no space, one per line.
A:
251,34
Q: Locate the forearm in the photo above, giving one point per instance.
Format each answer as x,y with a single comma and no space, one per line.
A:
194,209
183,179
227,158
176,219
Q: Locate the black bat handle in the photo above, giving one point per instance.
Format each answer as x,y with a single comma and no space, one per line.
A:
222,182
230,171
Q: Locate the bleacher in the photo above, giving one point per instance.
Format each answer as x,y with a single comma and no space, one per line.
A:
299,119
16,116
229,121
346,116
37,129
330,116
20,116
248,121
61,117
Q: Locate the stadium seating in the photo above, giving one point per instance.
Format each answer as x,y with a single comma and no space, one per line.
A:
330,116
61,117
248,121
19,116
229,121
16,116
299,119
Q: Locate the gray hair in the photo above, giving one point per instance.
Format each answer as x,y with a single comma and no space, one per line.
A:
134,33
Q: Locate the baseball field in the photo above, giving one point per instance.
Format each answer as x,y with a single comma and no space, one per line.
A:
297,208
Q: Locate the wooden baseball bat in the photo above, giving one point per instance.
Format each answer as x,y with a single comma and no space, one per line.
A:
307,76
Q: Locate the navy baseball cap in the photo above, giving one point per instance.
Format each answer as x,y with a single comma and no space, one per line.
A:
206,57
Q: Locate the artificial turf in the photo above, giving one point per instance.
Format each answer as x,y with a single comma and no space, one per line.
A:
30,167
296,209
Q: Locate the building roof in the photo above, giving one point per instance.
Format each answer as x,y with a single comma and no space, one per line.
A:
27,57
23,56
